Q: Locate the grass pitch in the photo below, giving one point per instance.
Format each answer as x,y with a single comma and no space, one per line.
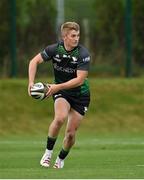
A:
116,105
110,141
95,156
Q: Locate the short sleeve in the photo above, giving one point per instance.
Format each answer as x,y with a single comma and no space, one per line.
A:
48,53
84,60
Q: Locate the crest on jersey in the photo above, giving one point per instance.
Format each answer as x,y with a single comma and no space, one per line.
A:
74,60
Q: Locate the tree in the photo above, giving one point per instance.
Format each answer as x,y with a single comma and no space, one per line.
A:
138,31
4,36
108,33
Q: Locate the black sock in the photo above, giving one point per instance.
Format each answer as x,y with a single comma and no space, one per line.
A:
50,143
63,153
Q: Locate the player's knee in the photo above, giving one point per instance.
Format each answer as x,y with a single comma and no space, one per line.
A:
70,136
60,120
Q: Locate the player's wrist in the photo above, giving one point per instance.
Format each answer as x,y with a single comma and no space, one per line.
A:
60,86
31,82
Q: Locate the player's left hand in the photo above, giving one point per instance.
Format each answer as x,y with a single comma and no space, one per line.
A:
53,88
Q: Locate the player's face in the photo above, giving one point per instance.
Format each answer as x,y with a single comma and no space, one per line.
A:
71,39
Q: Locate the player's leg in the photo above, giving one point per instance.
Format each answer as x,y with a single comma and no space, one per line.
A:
61,108
74,120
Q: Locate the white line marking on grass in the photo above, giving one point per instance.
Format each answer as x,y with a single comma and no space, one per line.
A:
140,165
21,142
113,141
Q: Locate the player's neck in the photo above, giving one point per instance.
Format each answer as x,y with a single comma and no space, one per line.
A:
68,47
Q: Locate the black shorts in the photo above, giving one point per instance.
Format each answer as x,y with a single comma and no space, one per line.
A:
78,103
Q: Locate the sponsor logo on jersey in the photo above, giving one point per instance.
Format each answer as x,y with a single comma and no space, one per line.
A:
60,68
86,59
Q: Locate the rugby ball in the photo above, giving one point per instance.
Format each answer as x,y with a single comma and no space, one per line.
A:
39,90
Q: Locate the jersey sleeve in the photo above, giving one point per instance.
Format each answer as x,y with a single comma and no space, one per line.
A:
84,60
48,52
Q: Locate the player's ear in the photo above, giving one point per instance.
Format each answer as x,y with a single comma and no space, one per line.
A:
62,37
64,34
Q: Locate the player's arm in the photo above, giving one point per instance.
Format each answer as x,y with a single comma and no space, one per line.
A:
75,82
32,69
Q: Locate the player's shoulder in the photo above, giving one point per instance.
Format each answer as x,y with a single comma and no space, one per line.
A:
52,46
49,51
83,52
57,45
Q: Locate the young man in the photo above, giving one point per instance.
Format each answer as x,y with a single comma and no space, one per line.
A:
70,92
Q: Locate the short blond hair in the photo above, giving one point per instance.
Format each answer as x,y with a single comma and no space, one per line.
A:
68,26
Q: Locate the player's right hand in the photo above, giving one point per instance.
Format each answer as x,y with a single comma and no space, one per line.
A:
30,85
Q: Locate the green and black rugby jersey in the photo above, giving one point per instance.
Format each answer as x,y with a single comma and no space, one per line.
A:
66,64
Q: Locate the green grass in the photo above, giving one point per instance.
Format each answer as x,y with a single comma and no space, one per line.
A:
116,105
94,156
109,142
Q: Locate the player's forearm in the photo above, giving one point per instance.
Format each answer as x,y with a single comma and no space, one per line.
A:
32,71
33,67
67,85
75,82
71,83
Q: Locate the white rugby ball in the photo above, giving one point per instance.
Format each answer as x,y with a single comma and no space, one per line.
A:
39,90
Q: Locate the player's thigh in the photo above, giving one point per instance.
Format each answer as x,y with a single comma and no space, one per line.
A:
61,107
74,120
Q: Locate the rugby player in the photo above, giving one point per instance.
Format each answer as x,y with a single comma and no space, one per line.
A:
70,91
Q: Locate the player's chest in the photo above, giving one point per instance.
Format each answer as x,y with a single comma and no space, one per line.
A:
66,60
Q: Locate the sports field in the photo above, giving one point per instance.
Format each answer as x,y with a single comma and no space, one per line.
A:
110,141
92,157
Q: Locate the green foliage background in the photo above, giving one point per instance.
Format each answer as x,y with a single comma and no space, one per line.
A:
103,33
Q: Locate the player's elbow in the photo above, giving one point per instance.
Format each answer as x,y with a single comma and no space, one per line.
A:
80,81
81,76
36,60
